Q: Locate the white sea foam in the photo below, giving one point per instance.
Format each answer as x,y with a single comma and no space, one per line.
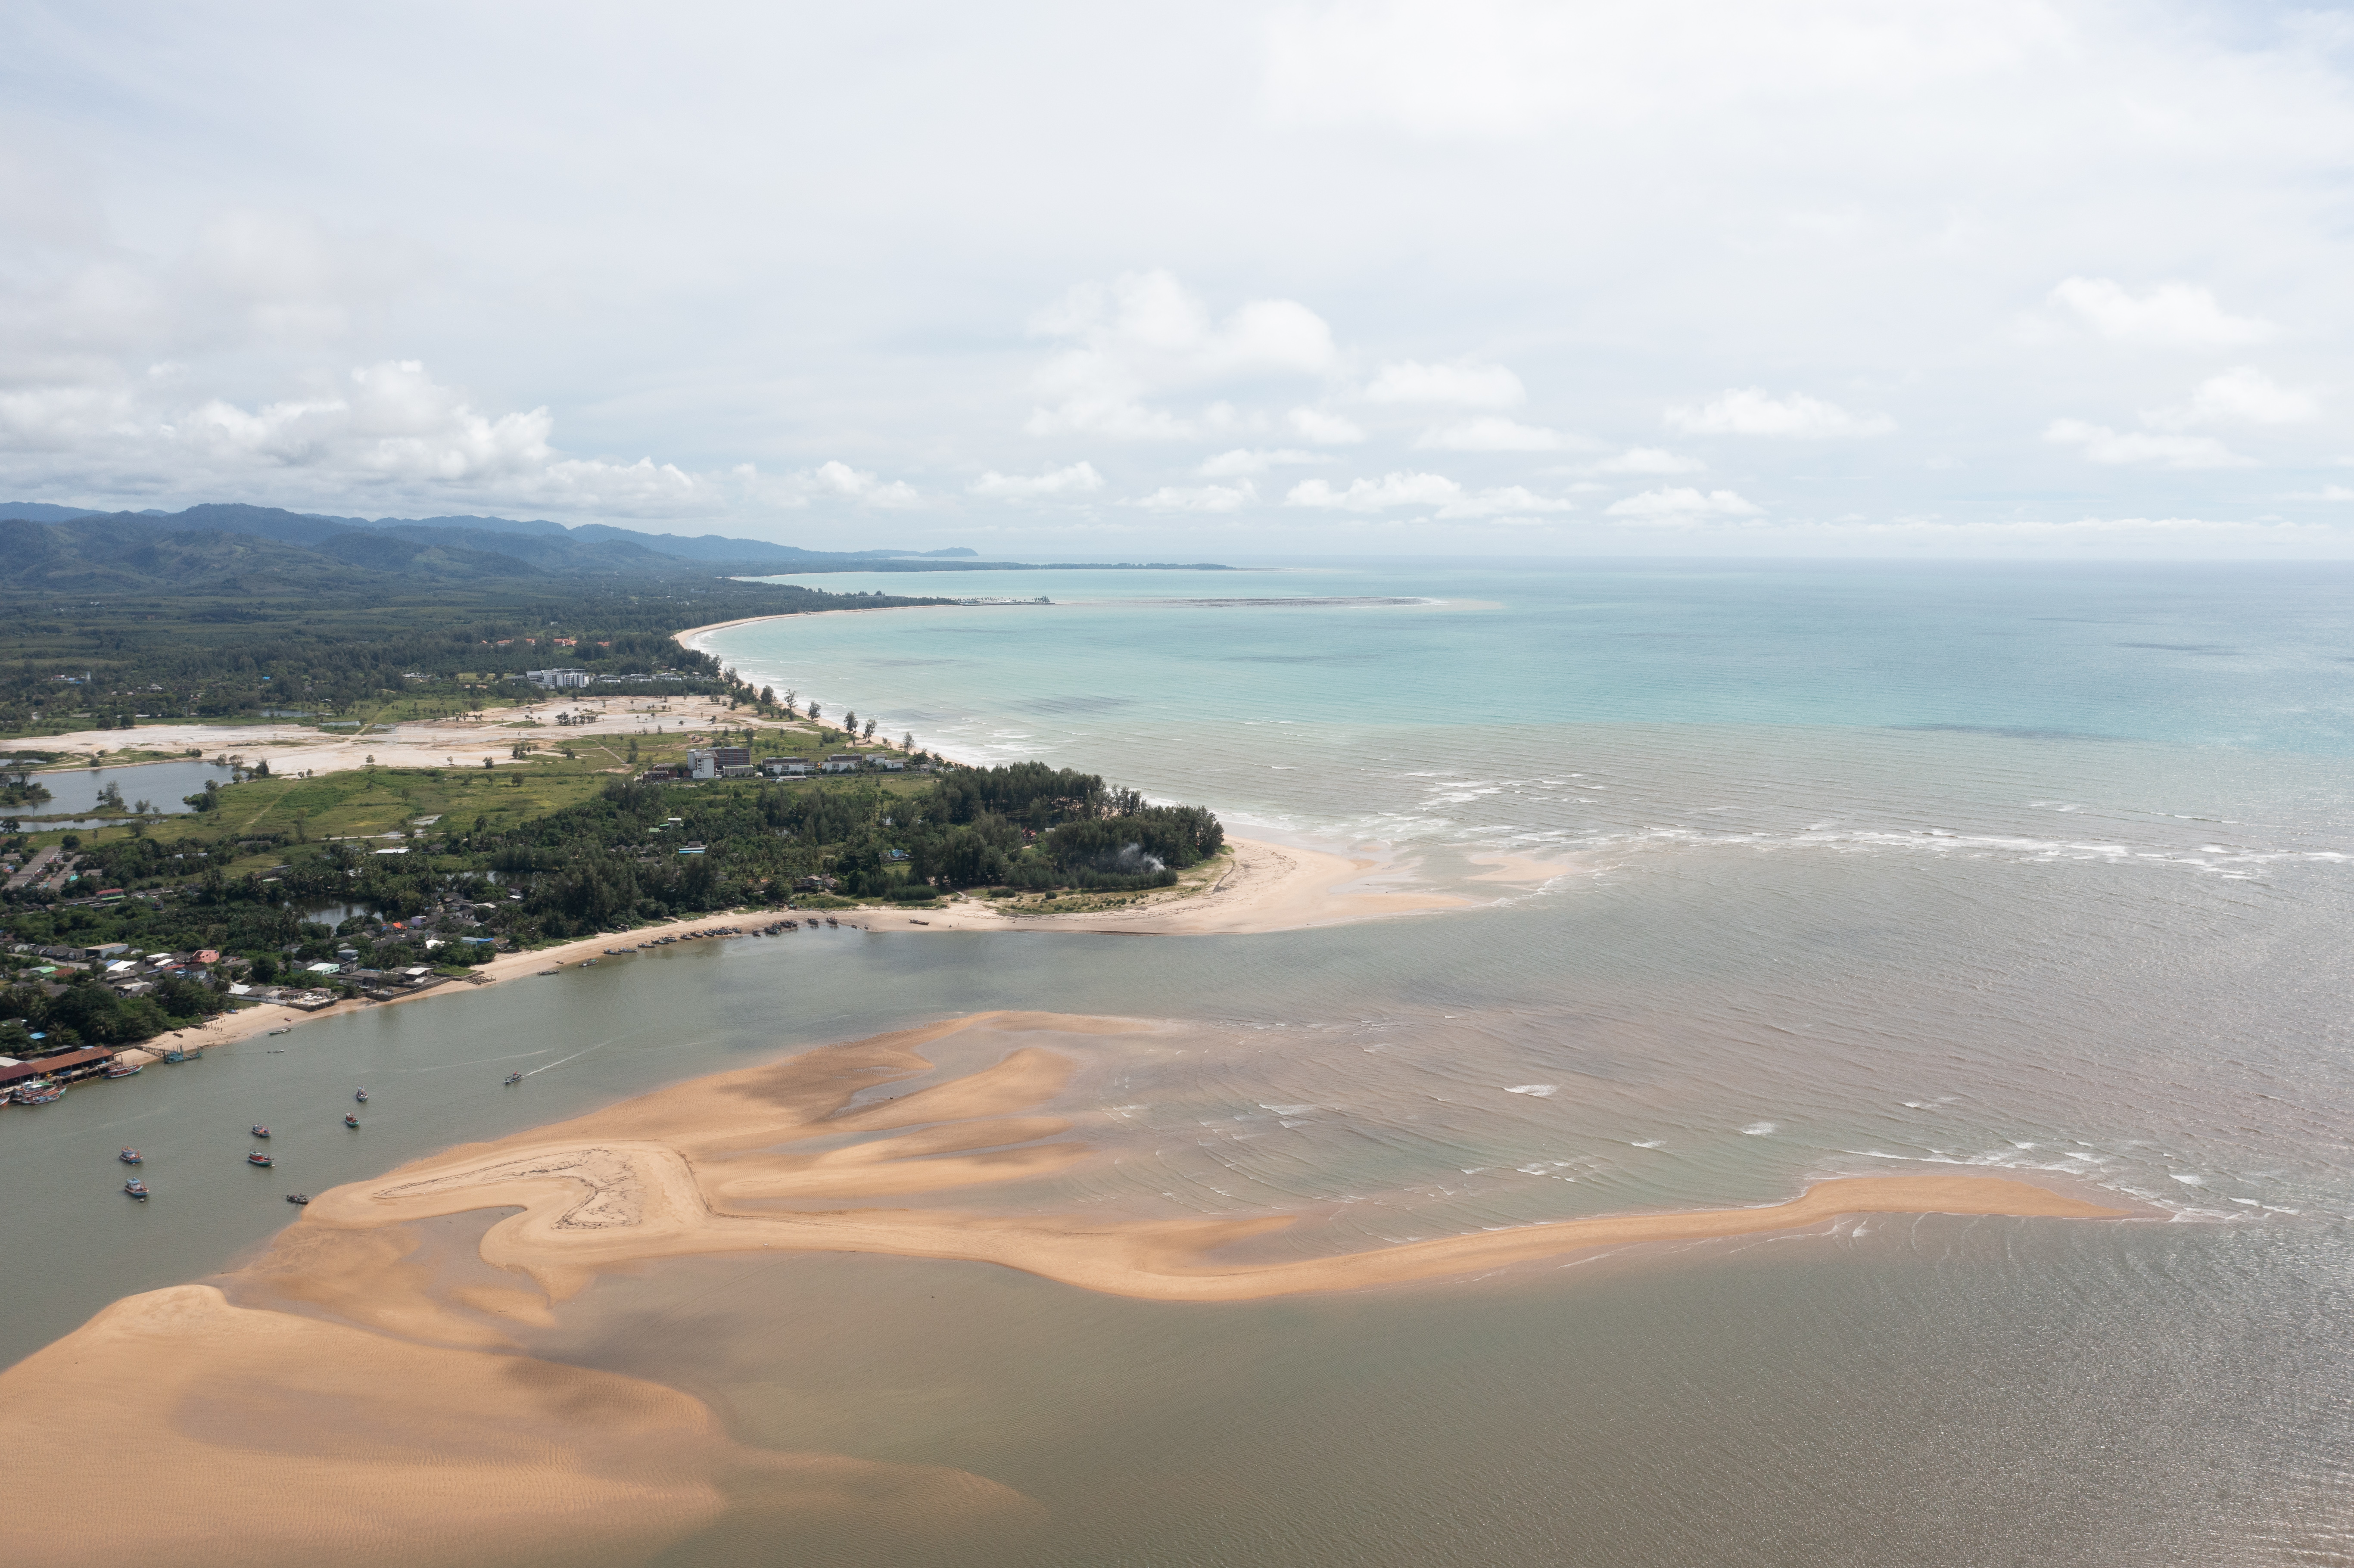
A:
1540,1091
1759,1128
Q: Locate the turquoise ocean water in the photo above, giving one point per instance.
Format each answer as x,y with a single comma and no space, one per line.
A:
1849,870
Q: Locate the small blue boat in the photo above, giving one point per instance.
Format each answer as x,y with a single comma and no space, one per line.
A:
137,1189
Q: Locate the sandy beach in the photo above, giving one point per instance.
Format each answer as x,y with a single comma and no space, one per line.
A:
1270,888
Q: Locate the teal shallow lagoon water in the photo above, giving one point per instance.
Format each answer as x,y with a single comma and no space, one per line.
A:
1866,869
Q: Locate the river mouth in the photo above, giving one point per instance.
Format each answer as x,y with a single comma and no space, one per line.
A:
1785,900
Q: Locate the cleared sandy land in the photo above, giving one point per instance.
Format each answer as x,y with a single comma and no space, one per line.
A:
339,1399
291,747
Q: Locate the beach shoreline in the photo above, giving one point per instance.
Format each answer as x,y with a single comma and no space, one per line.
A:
1271,887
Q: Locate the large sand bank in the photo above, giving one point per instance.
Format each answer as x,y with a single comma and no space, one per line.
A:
707,1167
342,1398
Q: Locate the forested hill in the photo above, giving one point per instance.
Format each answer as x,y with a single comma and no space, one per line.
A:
65,549
107,619
534,540
262,550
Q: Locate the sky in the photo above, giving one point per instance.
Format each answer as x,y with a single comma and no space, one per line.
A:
1208,282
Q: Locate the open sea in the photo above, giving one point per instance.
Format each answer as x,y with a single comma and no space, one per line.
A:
1821,871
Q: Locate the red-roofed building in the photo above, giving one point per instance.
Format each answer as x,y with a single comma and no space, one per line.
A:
52,1066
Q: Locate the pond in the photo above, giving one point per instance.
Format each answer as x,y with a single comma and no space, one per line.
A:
74,791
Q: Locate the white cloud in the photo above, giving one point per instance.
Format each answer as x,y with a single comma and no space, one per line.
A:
1516,70
1116,419
1324,429
1648,460
2243,396
1678,506
1490,434
2103,445
2326,492
390,420
1145,334
1442,495
1455,385
1242,460
1508,504
1376,495
1750,411
866,489
1621,225
1199,498
1080,476
2170,315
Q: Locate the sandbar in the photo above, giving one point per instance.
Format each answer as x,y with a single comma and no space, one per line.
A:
707,1165
339,1399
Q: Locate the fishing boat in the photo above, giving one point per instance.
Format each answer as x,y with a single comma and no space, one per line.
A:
125,1069
298,1197
361,1095
258,1158
39,1092
350,1120
136,1187
131,1157
513,1078
287,1031
259,1130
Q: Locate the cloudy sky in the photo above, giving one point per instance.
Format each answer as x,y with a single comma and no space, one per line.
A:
1989,278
